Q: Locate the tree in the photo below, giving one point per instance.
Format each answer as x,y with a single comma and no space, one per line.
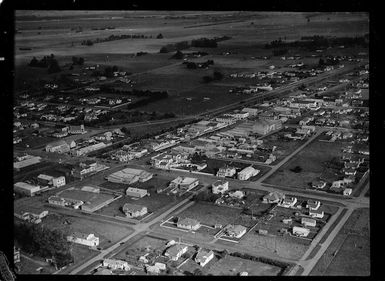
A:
115,68
217,75
54,67
108,72
207,79
33,62
159,36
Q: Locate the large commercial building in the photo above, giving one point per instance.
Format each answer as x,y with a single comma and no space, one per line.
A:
247,173
26,161
185,183
129,176
25,188
136,192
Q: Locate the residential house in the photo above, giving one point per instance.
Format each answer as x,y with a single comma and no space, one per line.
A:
220,186
136,192
316,213
235,231
84,239
50,180
313,204
301,231
204,256
189,224
288,202
226,171
273,197
308,222
133,211
237,194
318,184
116,264
176,251
347,191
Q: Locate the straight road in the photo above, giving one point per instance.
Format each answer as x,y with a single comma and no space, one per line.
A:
309,265
138,229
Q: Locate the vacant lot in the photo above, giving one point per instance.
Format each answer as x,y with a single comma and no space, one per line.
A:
28,265
156,203
234,265
108,233
349,253
210,214
311,161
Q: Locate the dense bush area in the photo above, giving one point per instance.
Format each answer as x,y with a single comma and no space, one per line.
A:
44,242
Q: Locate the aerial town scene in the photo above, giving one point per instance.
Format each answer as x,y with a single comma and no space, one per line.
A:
191,143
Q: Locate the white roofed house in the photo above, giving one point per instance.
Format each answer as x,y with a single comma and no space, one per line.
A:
136,192
318,184
308,222
288,202
187,223
235,231
273,197
220,186
116,264
316,213
226,172
133,211
247,173
301,231
313,204
204,256
237,194
84,239
176,251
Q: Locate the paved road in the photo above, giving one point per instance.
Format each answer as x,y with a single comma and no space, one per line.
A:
309,265
138,229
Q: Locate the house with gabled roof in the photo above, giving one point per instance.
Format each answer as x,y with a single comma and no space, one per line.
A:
187,223
204,256
176,251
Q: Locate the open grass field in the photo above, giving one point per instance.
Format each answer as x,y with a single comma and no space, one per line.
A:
108,234
349,253
210,214
140,247
311,160
234,265
156,203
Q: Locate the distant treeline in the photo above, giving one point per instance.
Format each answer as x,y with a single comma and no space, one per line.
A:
48,62
195,65
199,43
118,37
317,41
